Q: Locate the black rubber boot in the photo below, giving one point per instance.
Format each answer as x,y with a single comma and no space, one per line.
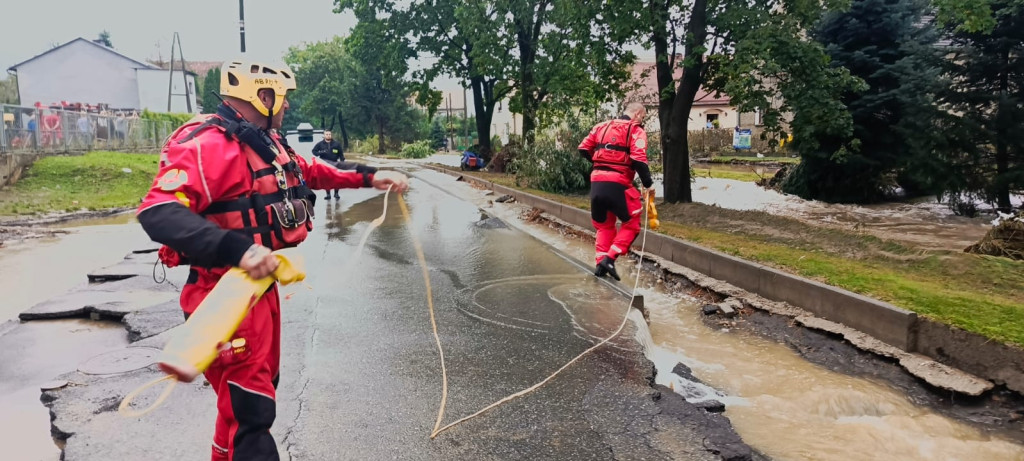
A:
608,264
328,197
336,196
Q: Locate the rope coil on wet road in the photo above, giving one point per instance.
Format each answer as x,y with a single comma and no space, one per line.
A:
444,371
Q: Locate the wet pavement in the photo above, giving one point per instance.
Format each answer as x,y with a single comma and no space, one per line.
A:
361,377
360,372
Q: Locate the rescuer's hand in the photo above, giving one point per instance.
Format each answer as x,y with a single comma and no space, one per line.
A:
398,181
258,262
648,193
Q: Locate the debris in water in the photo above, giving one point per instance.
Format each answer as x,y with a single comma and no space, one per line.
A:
1005,240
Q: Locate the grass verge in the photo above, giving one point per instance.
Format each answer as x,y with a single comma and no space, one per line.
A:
726,174
94,181
740,159
980,294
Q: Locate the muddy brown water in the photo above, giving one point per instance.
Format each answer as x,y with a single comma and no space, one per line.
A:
781,404
761,170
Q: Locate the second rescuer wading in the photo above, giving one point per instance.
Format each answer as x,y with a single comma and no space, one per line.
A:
618,150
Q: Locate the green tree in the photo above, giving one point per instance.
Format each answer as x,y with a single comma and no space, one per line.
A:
986,155
756,52
462,36
886,44
437,136
362,76
319,78
568,56
210,89
9,90
104,39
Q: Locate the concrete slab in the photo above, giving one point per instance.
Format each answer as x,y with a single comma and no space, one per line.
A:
88,411
121,271
972,352
780,286
153,321
934,373
108,303
881,320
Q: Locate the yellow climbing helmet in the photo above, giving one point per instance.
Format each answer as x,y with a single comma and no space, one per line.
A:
244,79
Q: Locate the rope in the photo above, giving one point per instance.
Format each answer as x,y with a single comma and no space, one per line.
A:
125,407
444,372
366,235
433,320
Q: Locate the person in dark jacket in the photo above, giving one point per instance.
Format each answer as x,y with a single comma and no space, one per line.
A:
330,150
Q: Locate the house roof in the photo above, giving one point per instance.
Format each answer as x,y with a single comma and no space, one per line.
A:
646,87
195,67
90,42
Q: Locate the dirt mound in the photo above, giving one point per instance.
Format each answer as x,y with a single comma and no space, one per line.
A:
775,182
504,161
1006,239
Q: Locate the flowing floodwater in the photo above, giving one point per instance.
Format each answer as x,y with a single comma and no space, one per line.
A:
791,409
779,403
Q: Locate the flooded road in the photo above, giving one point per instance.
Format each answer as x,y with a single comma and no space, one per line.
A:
783,405
32,271
360,374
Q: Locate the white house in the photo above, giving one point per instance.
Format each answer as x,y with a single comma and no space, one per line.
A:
85,72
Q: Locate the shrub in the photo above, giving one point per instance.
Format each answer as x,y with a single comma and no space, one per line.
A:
367,146
418,149
548,167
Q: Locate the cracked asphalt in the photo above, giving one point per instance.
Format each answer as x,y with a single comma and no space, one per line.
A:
361,377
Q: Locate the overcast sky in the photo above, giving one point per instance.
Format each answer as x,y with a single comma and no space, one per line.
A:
143,29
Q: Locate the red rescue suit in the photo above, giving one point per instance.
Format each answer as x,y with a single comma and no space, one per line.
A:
618,150
213,197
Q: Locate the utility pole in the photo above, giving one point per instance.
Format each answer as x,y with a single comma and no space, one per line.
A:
241,22
184,76
465,114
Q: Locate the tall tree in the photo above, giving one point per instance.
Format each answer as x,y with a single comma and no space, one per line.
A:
210,89
888,45
319,72
567,55
754,51
987,64
362,76
462,36
9,90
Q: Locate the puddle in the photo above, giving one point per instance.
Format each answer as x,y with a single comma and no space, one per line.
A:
32,355
36,270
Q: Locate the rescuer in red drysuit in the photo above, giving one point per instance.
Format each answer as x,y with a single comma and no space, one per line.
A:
226,194
618,150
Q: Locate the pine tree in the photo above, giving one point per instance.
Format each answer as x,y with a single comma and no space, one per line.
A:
211,85
886,44
437,136
987,158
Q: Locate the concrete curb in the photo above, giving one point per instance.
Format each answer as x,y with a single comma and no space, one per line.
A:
970,352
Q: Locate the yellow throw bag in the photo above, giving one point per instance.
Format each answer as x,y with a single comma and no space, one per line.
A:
652,214
194,345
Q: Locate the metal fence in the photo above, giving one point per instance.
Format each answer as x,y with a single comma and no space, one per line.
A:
43,130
